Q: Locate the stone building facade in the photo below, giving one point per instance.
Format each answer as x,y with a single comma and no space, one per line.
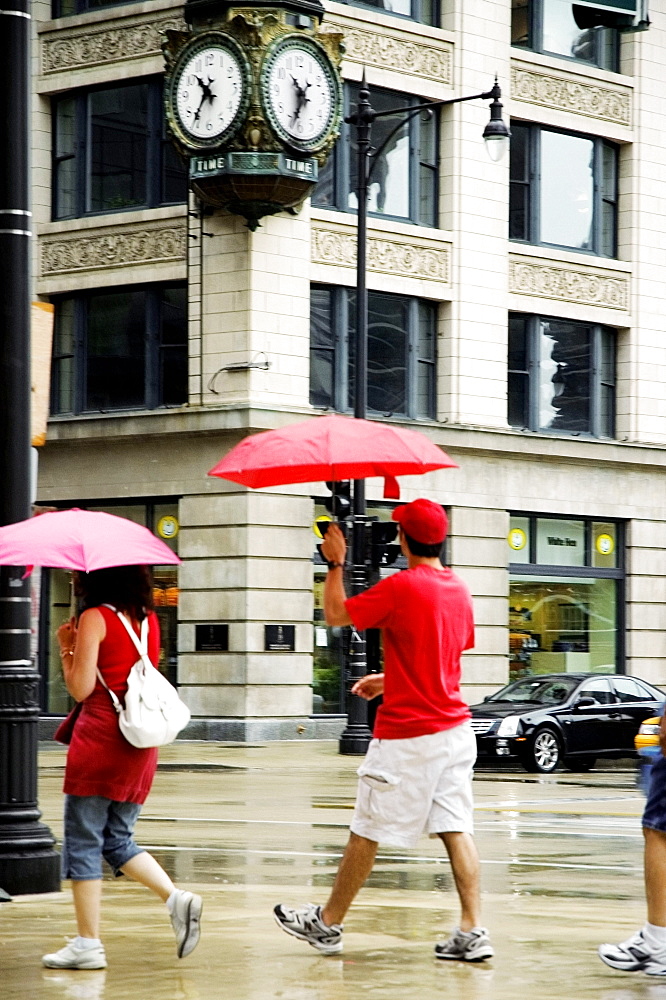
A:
518,315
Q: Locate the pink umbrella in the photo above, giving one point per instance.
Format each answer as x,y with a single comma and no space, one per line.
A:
331,448
83,540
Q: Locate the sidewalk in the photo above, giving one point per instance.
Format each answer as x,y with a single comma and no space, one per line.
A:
251,826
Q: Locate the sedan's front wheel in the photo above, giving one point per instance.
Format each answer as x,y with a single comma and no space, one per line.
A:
545,753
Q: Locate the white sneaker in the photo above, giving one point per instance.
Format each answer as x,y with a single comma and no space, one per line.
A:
186,921
466,946
71,957
634,955
305,923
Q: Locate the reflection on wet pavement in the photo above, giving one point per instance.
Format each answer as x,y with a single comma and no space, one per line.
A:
250,826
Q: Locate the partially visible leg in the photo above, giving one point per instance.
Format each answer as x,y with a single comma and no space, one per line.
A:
145,869
464,859
123,854
356,864
85,817
655,875
87,906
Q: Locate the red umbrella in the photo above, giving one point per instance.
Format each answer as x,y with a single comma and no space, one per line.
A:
331,448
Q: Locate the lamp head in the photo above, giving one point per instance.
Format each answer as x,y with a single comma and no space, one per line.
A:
496,134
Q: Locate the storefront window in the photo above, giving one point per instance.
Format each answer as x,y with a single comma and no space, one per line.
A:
57,602
565,591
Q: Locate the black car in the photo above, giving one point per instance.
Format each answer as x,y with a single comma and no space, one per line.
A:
546,720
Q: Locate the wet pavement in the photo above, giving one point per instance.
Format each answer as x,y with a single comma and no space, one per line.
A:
251,826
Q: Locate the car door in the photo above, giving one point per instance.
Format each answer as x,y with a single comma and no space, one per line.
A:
635,705
593,727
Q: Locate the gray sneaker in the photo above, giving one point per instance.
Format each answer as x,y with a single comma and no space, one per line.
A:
634,955
186,921
306,924
71,957
466,946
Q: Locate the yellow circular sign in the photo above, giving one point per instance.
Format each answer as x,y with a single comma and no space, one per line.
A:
605,544
517,539
315,527
167,526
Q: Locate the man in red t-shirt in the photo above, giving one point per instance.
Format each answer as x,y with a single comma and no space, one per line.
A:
416,776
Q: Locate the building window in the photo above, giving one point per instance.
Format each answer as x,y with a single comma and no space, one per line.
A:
563,190
566,581
425,11
404,179
561,376
549,26
65,8
120,349
401,352
110,152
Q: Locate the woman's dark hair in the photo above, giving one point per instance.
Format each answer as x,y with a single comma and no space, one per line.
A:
421,549
128,588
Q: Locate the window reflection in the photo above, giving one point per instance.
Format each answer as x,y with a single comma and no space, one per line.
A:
567,190
388,192
118,123
549,26
394,6
115,351
561,375
402,346
388,324
404,175
564,366
562,35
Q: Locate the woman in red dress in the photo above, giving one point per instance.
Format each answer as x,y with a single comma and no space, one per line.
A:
106,778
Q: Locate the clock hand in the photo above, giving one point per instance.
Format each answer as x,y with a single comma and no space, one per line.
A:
205,89
301,94
206,94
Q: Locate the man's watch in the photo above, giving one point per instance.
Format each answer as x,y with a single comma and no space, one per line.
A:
334,565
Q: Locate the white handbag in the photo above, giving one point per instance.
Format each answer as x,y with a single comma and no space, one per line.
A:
153,713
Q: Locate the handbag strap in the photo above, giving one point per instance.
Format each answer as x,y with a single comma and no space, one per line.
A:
141,648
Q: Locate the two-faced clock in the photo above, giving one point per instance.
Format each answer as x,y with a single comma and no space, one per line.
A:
208,91
300,93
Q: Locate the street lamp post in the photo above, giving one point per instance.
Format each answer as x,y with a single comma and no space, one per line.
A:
28,860
356,736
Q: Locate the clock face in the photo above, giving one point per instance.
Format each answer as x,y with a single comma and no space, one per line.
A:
209,88
300,92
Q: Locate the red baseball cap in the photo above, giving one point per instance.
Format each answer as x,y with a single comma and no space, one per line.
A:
424,521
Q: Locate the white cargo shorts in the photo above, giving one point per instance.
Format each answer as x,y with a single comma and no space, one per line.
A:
417,785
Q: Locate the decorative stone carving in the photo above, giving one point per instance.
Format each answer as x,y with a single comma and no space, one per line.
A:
402,55
574,94
99,250
409,260
93,46
551,280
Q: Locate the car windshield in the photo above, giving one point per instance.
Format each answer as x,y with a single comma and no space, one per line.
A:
539,691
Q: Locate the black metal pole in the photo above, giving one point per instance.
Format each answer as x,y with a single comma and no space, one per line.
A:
356,736
28,860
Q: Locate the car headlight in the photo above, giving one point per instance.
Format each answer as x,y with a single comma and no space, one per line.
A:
649,729
509,726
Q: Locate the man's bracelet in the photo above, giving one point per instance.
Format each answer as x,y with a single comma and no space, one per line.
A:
334,565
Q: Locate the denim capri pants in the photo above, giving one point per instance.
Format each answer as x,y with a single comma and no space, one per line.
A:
654,815
97,828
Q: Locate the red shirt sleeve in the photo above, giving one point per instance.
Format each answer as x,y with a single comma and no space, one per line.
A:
374,607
